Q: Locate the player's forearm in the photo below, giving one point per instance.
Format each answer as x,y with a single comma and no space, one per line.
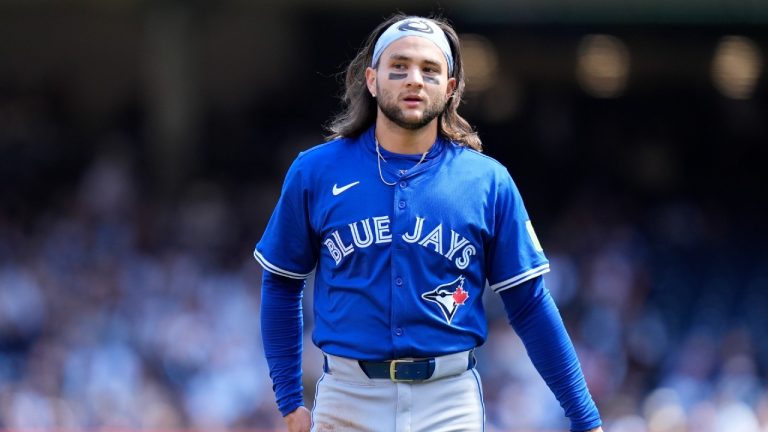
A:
533,314
282,332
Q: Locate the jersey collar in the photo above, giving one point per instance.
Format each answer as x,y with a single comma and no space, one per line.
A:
434,154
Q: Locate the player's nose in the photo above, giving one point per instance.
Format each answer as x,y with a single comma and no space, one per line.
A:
415,78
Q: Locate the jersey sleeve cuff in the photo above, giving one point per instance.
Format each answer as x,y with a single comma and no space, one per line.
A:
277,270
520,278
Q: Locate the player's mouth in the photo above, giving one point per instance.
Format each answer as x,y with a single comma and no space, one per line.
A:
412,101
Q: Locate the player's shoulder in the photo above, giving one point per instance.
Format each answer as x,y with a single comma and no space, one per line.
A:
329,148
317,156
479,157
479,162
334,148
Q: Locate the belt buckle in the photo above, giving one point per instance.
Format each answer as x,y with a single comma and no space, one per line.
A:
393,370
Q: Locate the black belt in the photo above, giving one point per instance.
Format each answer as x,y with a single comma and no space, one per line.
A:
405,369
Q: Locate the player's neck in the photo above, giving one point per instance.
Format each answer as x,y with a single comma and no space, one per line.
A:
404,141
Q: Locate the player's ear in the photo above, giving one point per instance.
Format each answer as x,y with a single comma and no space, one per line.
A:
451,87
370,80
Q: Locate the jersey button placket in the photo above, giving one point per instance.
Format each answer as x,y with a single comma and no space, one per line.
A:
399,264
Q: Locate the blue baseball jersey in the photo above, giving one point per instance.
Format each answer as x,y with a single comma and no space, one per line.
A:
400,269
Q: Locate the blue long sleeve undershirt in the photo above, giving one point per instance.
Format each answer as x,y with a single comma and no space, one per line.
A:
531,312
534,316
282,326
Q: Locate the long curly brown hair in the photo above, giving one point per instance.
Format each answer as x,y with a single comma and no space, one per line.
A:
360,107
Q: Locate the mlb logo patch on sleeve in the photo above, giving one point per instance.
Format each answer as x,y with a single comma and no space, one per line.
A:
532,235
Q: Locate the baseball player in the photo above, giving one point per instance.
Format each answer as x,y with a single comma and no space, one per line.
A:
405,224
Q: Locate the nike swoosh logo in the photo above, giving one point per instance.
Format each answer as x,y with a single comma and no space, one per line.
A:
337,190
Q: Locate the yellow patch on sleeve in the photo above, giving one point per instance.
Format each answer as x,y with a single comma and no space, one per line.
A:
532,235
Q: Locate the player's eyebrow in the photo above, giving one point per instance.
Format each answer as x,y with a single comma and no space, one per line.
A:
403,57
400,57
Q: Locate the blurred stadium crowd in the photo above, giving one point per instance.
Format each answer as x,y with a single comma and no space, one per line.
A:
124,306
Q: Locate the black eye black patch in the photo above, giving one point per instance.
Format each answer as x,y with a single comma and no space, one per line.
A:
397,76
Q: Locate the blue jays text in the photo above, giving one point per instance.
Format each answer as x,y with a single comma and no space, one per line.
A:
380,233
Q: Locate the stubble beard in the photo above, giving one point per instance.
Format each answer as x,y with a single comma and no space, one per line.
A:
388,106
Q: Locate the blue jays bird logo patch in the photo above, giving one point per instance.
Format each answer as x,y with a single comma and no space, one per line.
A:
448,297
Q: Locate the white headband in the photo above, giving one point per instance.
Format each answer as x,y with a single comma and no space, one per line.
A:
413,26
